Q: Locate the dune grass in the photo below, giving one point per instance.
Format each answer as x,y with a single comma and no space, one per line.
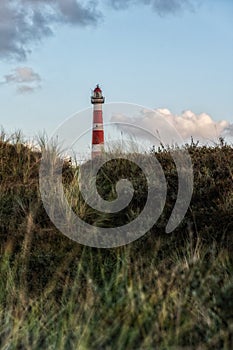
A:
163,291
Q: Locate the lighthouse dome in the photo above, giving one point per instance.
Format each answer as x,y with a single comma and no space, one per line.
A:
97,89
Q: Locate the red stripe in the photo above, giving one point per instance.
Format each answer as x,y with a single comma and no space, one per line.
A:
97,137
98,117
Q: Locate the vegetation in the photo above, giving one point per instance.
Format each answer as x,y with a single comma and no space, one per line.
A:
163,291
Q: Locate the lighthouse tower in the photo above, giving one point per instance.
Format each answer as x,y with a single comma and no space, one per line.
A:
97,100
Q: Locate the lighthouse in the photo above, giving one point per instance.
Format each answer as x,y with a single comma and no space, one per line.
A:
97,100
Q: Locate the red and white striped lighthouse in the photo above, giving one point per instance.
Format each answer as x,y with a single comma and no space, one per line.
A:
97,100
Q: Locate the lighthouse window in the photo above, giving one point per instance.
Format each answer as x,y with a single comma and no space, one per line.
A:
97,94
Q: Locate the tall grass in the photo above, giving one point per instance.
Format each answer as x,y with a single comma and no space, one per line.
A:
161,292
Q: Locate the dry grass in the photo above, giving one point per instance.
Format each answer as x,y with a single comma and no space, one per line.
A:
161,292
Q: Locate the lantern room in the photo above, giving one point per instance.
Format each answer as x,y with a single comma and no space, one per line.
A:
97,96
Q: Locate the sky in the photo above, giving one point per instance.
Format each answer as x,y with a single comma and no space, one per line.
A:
173,56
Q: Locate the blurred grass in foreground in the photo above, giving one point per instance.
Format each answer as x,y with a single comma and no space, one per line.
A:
164,291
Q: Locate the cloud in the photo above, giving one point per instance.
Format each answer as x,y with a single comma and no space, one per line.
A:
25,22
228,131
162,7
22,75
170,128
25,78
26,89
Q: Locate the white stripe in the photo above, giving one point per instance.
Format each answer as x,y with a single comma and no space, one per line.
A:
98,148
97,126
98,107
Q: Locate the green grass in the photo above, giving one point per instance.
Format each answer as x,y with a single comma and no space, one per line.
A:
164,291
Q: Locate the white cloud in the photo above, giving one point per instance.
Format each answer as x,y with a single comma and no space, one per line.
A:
197,125
170,128
22,75
26,89
25,78
228,131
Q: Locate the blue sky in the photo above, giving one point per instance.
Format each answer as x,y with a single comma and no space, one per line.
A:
179,60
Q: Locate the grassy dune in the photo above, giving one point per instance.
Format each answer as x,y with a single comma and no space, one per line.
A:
163,291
